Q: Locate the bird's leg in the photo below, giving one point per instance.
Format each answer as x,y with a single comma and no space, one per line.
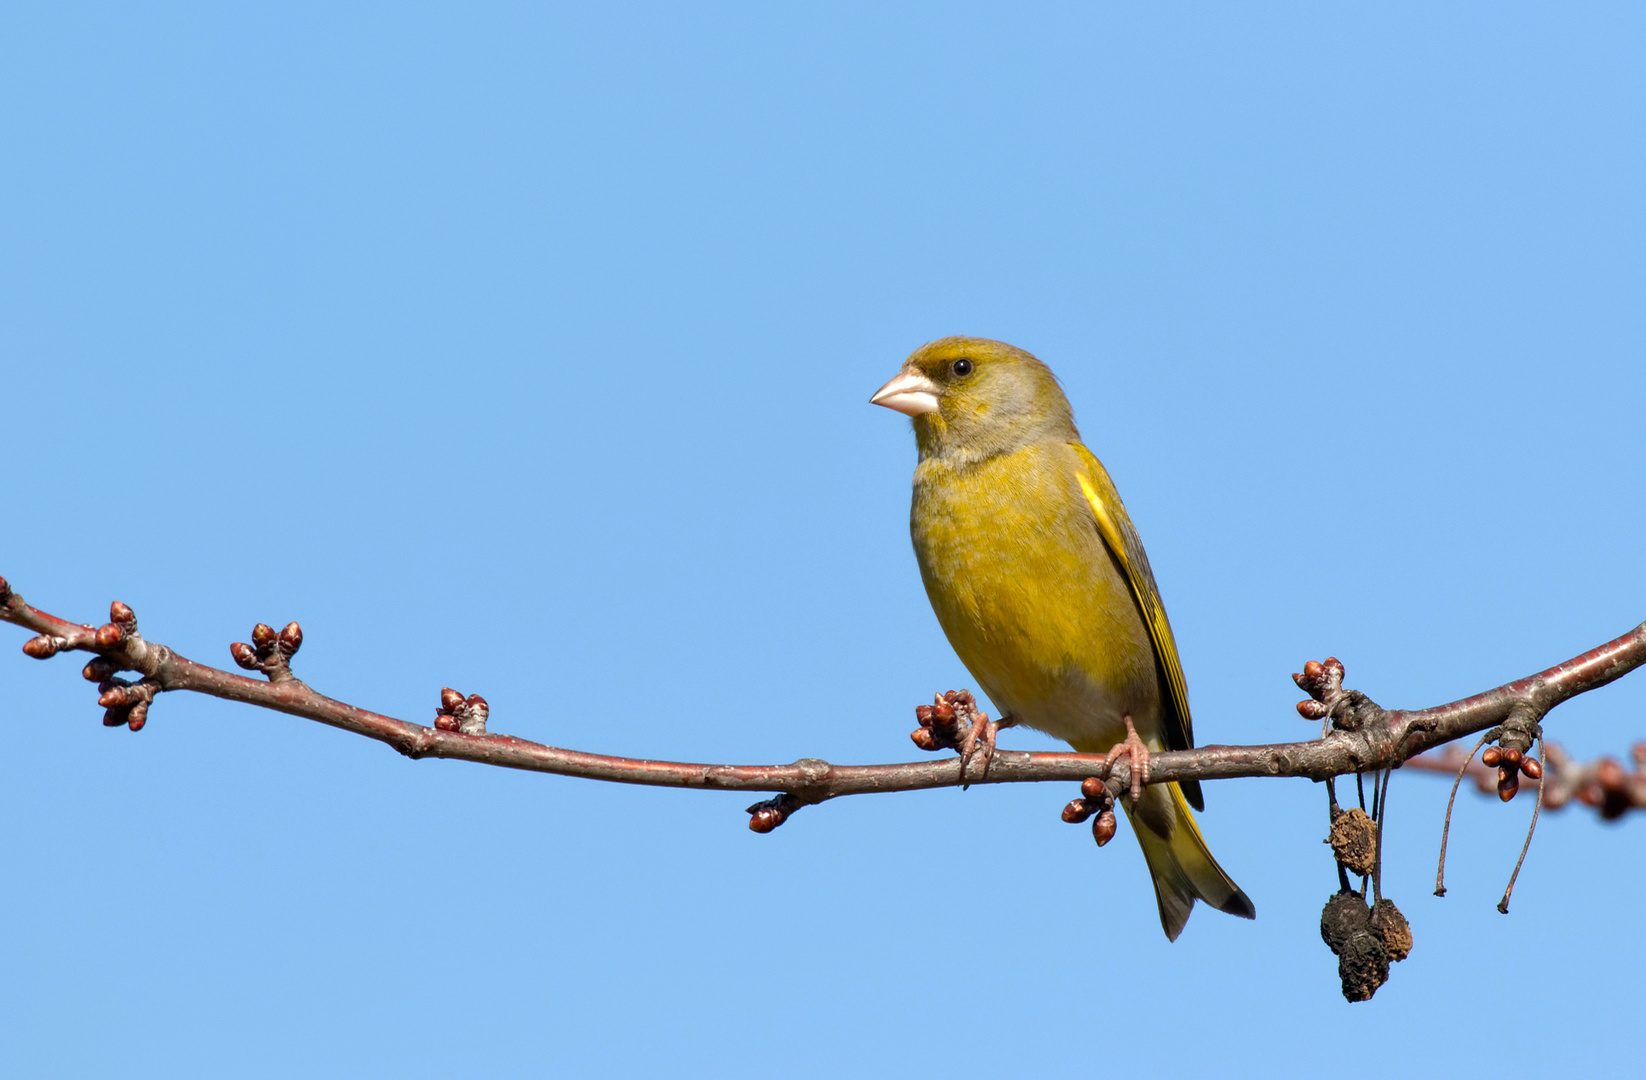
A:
1132,747
983,732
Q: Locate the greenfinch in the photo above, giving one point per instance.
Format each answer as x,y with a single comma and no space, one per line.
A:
1041,584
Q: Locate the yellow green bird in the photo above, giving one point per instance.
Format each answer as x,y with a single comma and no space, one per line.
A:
1041,584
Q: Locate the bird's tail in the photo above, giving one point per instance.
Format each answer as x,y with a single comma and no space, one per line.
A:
1179,861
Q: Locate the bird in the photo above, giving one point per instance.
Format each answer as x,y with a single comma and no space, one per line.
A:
1041,584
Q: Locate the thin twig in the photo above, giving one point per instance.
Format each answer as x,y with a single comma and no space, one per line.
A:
1503,904
1446,829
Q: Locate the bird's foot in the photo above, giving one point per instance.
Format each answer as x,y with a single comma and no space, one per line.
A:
1132,747
954,722
981,734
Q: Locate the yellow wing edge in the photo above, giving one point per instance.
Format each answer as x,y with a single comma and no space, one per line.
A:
1101,495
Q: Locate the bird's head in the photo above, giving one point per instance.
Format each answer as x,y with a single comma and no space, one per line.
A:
973,397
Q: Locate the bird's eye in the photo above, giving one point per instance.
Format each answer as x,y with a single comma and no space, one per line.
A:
962,367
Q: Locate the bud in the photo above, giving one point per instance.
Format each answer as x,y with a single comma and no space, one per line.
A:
114,697
1531,767
1312,709
262,635
924,739
1077,811
109,635
445,721
923,713
291,638
1511,757
243,654
41,648
765,819
138,716
1334,669
1508,783
449,699
1103,828
1491,757
98,669
1093,788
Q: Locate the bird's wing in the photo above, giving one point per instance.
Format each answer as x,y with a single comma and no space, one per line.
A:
1122,539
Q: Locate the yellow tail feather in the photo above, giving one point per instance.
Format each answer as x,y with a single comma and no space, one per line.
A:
1179,862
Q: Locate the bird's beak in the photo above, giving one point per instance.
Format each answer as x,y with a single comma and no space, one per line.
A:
910,393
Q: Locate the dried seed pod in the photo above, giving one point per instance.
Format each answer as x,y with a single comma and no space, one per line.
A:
1354,841
1363,966
1392,929
1343,916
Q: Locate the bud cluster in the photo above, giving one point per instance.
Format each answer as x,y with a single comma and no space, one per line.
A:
945,722
269,652
1095,798
466,715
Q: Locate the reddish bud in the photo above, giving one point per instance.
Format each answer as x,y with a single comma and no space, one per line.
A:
924,739
765,819
97,669
923,713
1531,767
5,589
139,716
1334,669
41,648
445,721
1077,811
262,635
114,697
1508,783
943,714
120,613
291,638
1103,828
243,654
478,702
1311,709
1092,788
114,717
1511,757
1491,756
449,698
109,635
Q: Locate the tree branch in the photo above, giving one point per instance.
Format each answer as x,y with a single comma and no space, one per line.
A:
1361,736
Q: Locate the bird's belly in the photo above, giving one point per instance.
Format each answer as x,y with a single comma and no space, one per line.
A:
1042,619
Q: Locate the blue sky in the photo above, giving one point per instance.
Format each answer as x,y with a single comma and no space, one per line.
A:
526,350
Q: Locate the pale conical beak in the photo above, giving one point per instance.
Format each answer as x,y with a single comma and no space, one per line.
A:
910,393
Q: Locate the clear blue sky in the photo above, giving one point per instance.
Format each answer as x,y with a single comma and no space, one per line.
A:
527,351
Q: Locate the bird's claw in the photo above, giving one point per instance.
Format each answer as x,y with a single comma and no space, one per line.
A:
1131,747
982,733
